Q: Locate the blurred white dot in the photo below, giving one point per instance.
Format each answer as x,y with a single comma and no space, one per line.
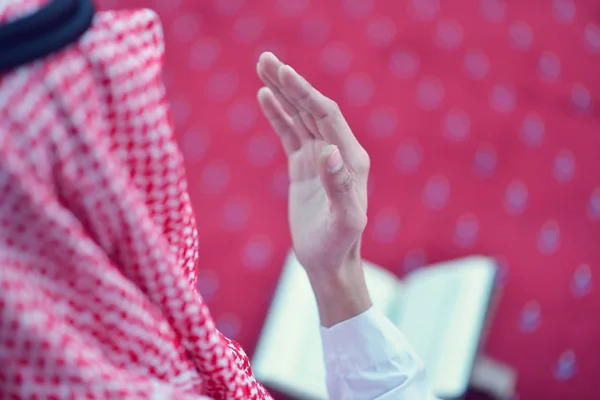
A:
564,166
185,27
502,273
515,199
221,85
581,284
257,252
380,31
382,122
228,7
247,29
180,111
430,93
466,231
457,125
530,317
449,34
194,144
436,192
477,64
358,89
532,130
549,238
502,99
229,325
293,8
358,8
242,116
281,184
208,283
566,366
386,226
404,64
408,158
204,53
593,210
414,259
549,67
493,10
262,150
564,11
315,30
424,10
581,98
592,38
485,160
336,58
215,177
520,36
235,214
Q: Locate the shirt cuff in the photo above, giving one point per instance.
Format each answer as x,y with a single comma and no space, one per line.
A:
363,342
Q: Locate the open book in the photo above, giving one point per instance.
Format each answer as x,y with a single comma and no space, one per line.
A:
441,310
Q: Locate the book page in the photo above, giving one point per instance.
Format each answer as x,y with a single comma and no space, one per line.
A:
289,355
442,315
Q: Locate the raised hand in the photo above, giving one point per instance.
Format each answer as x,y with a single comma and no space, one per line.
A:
328,168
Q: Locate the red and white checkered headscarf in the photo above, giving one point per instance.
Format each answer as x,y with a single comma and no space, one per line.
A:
98,245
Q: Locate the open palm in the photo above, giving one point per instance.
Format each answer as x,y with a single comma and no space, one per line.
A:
328,168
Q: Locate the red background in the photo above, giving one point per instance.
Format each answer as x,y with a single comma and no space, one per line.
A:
482,121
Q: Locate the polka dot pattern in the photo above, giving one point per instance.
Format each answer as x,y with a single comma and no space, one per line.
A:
481,118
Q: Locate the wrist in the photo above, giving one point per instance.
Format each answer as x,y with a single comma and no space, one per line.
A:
341,292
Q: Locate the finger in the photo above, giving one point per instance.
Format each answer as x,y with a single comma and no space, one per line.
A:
303,132
281,123
328,117
267,69
310,123
263,70
346,209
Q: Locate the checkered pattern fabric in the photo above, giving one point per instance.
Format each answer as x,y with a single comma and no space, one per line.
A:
98,245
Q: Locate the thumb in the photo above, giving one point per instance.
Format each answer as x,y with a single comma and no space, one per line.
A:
340,187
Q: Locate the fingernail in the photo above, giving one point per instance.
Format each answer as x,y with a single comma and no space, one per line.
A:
265,55
274,57
334,161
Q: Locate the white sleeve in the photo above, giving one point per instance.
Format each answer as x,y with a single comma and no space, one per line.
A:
367,357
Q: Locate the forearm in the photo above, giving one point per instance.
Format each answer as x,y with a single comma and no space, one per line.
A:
366,356
341,293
